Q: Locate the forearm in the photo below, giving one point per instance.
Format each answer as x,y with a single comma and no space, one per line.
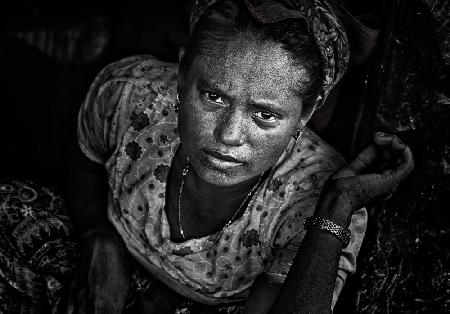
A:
91,216
309,285
85,191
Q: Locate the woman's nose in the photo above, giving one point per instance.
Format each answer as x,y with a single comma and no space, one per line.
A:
231,131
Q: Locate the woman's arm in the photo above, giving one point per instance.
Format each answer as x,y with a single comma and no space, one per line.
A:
307,291
85,190
103,118
309,285
102,281
299,293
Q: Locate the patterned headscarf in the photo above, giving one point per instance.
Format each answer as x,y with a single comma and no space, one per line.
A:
322,23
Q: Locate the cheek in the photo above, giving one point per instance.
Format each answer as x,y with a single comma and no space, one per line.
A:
268,149
194,125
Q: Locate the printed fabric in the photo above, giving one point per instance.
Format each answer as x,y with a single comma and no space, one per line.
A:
38,251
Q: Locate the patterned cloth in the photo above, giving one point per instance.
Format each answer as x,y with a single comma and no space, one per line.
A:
127,124
37,251
323,25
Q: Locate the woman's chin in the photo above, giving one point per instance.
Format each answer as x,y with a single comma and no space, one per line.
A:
221,173
221,164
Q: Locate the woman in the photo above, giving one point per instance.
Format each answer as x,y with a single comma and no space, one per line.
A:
211,201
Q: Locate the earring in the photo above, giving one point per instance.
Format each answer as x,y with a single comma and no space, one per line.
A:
176,105
297,135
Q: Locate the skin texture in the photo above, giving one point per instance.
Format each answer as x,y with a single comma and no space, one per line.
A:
240,101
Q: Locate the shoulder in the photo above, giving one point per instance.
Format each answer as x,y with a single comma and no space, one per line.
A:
125,97
143,72
308,159
131,83
292,191
140,68
126,88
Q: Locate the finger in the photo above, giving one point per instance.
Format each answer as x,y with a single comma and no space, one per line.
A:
395,148
385,143
81,306
385,165
388,162
392,152
70,309
344,173
79,297
402,170
397,144
382,139
70,306
365,159
386,155
403,167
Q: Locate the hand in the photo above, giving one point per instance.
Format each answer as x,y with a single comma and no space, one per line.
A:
372,176
157,299
103,280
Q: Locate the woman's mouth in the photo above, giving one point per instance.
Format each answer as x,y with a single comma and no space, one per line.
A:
220,160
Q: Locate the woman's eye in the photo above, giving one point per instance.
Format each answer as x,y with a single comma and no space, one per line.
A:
214,97
265,116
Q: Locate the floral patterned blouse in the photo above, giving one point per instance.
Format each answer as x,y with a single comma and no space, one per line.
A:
127,124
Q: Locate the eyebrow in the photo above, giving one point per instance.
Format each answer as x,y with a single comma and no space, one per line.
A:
267,105
263,104
204,83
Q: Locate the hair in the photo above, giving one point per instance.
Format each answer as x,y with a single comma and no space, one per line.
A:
225,19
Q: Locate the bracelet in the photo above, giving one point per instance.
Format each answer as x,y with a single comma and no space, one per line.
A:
344,235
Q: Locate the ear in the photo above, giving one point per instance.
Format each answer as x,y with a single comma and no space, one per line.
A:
304,118
302,122
298,128
181,52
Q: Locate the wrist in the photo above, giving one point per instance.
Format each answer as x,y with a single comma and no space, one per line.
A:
328,226
103,231
340,218
334,206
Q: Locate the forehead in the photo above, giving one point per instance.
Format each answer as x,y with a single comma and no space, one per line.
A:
249,64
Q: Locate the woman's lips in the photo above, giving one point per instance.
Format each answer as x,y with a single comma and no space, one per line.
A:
221,161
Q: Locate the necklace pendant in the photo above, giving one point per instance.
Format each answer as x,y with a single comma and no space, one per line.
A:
182,234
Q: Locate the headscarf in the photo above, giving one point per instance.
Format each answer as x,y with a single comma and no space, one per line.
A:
328,23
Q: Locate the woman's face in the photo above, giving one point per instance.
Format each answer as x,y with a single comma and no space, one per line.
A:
239,109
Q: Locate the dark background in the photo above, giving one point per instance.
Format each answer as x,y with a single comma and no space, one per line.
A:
50,51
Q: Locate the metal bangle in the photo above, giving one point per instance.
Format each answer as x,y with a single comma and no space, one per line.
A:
344,235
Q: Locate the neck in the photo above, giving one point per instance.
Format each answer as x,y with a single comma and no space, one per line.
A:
208,190
205,208
196,184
